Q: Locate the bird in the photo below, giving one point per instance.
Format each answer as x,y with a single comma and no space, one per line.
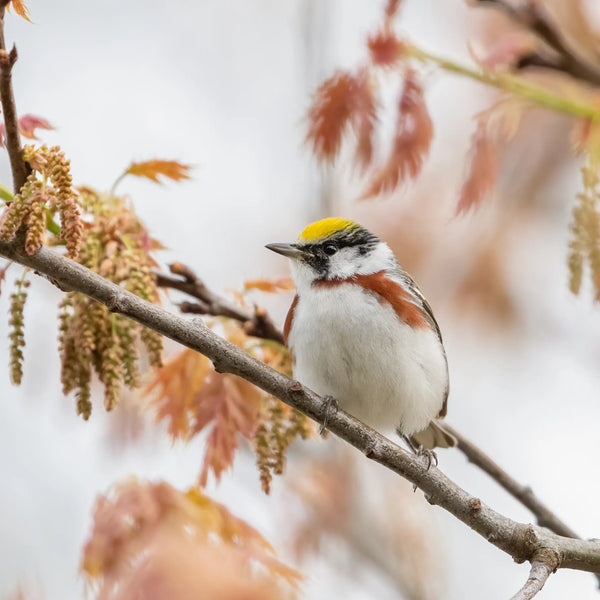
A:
363,336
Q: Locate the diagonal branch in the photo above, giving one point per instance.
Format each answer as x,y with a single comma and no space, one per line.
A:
519,540
210,303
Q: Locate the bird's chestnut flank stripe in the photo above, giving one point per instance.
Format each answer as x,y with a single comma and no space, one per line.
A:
386,290
288,320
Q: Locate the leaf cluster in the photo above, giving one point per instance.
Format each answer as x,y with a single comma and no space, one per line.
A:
151,540
190,397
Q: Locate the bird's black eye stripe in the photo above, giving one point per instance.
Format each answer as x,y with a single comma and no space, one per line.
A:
330,249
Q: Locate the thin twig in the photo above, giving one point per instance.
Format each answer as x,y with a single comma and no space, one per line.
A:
543,565
523,493
521,541
257,323
20,169
509,82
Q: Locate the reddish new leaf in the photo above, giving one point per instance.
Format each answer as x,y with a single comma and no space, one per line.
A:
29,123
232,406
27,126
391,8
152,169
174,388
364,118
20,8
385,48
330,114
482,169
506,52
412,140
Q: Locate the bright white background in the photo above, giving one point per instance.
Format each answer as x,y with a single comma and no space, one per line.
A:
224,85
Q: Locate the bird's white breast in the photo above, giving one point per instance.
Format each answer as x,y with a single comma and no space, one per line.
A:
349,344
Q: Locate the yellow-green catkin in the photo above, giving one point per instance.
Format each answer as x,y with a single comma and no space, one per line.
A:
584,246
17,330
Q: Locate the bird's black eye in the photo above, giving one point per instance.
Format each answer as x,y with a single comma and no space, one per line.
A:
330,249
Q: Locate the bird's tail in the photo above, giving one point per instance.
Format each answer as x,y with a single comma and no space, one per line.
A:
433,436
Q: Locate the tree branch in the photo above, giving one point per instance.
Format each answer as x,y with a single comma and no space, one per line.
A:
543,564
20,169
531,17
521,541
257,324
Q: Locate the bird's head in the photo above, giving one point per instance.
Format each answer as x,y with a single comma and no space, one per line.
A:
335,248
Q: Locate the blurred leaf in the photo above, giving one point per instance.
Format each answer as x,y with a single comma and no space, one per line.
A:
412,139
329,115
482,169
29,123
391,8
231,405
364,118
152,169
190,395
385,48
20,8
270,286
175,385
151,540
506,52
27,126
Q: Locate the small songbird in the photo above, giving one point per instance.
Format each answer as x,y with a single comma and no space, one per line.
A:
361,332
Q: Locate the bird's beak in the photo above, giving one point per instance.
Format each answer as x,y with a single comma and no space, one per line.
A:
289,250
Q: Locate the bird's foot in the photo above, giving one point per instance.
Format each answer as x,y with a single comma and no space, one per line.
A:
429,455
331,408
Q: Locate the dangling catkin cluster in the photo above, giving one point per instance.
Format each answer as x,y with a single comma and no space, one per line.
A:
17,332
585,244
116,245
47,191
278,426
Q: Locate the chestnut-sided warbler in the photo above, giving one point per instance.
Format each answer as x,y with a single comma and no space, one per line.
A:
361,332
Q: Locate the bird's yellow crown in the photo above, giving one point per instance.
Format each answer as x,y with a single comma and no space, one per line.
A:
325,228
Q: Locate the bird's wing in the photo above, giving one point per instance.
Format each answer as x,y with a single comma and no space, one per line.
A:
410,285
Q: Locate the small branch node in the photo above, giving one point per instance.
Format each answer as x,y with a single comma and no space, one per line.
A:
432,499
474,505
296,388
370,450
544,562
219,366
113,303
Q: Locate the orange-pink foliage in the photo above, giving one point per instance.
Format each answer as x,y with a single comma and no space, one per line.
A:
150,540
482,169
413,135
